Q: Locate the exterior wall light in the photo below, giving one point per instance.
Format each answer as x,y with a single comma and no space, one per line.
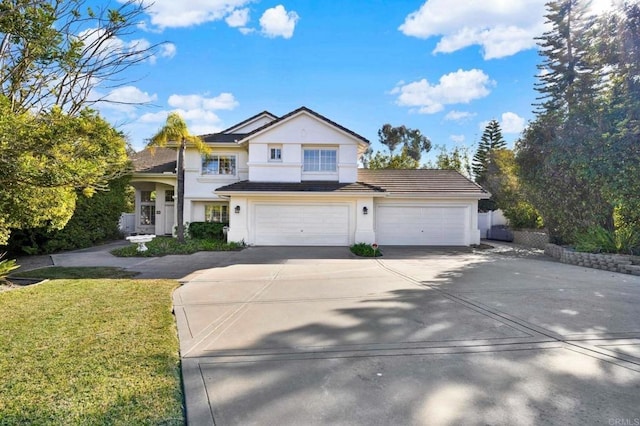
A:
237,209
365,210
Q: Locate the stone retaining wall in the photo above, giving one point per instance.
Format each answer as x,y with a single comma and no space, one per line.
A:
533,239
608,262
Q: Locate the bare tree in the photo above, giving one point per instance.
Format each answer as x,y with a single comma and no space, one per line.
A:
56,52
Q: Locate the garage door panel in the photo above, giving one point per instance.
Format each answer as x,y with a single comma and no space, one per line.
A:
301,224
421,225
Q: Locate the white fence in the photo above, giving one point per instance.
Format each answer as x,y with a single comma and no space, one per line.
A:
127,223
489,219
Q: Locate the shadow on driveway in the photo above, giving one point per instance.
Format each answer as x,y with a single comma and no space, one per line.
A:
443,338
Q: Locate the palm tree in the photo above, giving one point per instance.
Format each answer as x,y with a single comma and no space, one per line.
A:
176,133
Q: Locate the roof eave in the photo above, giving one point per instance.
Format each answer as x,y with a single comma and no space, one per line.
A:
439,195
345,194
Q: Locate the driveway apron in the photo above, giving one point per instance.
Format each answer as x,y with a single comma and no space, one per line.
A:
420,336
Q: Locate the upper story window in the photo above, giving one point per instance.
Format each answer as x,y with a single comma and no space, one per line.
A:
219,165
275,153
320,160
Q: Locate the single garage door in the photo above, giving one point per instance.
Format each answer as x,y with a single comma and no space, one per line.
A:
422,225
302,224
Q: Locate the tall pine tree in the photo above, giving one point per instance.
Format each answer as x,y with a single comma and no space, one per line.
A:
491,140
573,159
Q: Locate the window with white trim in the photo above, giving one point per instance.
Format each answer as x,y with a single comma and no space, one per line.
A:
320,160
216,213
275,153
219,165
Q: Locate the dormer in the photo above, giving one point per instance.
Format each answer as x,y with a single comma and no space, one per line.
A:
303,146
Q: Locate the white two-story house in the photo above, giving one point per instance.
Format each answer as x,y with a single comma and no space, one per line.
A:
294,180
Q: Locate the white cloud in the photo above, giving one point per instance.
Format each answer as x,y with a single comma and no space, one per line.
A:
457,138
124,99
512,123
277,22
96,45
199,115
130,94
198,111
460,87
238,18
501,27
168,50
459,115
175,14
223,101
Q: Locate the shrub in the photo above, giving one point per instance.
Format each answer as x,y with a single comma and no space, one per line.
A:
6,266
94,220
365,250
523,215
599,240
207,230
162,246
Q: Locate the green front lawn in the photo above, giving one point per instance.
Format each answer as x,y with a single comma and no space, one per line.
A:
90,351
76,272
162,246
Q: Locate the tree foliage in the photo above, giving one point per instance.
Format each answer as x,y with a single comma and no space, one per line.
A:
95,220
46,158
579,160
491,139
55,55
412,142
457,159
501,180
176,133
56,52
380,160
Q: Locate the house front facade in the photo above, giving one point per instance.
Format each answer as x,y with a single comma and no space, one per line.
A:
294,180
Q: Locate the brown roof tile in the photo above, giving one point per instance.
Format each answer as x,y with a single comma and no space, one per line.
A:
419,181
158,160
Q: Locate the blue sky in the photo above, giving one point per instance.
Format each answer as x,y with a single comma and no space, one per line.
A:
444,67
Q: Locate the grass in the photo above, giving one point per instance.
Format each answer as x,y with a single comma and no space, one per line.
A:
162,246
61,272
85,351
364,250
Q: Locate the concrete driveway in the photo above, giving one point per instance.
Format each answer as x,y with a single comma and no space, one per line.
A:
439,337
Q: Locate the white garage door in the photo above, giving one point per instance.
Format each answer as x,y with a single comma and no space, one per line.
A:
302,224
422,225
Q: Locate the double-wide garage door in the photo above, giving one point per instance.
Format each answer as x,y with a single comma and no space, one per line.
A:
302,224
422,225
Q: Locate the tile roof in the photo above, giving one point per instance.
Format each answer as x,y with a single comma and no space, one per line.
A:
223,137
315,114
158,160
419,181
306,186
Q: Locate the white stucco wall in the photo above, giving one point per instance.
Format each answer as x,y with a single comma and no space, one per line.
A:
293,136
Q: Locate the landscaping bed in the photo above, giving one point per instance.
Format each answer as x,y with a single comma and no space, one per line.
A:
163,246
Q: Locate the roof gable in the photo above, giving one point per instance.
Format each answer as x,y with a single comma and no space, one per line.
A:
309,114
252,123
